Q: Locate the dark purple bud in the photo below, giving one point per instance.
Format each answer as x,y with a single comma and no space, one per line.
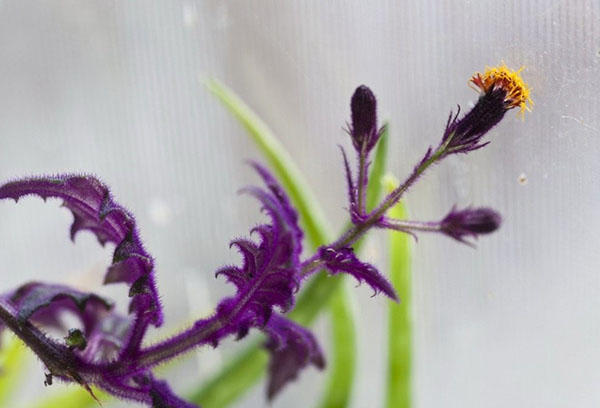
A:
363,130
470,222
465,134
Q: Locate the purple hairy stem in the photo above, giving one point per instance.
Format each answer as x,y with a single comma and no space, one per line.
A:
457,224
58,359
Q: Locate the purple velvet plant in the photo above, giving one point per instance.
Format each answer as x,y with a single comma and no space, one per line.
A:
107,350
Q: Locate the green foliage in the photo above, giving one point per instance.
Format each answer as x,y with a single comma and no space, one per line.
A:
400,317
13,361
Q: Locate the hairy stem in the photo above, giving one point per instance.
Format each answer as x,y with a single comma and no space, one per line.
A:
362,179
406,226
58,359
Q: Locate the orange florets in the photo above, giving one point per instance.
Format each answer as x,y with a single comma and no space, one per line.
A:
517,91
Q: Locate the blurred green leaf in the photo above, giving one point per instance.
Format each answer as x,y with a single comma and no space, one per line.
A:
342,362
13,361
244,371
400,317
312,218
73,396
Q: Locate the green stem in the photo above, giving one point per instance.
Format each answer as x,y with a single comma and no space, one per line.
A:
400,318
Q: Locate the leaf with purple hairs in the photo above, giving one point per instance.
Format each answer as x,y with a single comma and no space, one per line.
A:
44,302
292,348
344,260
95,210
269,274
104,331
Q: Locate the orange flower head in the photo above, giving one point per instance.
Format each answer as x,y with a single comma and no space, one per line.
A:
502,77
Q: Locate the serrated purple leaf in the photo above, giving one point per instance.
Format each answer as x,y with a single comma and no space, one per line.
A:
292,349
43,303
344,260
95,210
269,274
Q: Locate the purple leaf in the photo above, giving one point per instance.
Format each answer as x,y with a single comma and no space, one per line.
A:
43,303
269,274
107,339
344,260
104,331
46,300
95,210
292,348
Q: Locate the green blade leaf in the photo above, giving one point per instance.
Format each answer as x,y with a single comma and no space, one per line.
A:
400,317
72,397
312,218
343,361
13,360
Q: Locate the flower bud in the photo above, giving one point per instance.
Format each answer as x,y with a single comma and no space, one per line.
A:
470,222
363,130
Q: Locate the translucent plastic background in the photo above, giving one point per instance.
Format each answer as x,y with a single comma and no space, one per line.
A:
113,88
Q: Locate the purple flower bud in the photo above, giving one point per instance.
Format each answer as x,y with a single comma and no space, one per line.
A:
470,222
467,132
363,130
